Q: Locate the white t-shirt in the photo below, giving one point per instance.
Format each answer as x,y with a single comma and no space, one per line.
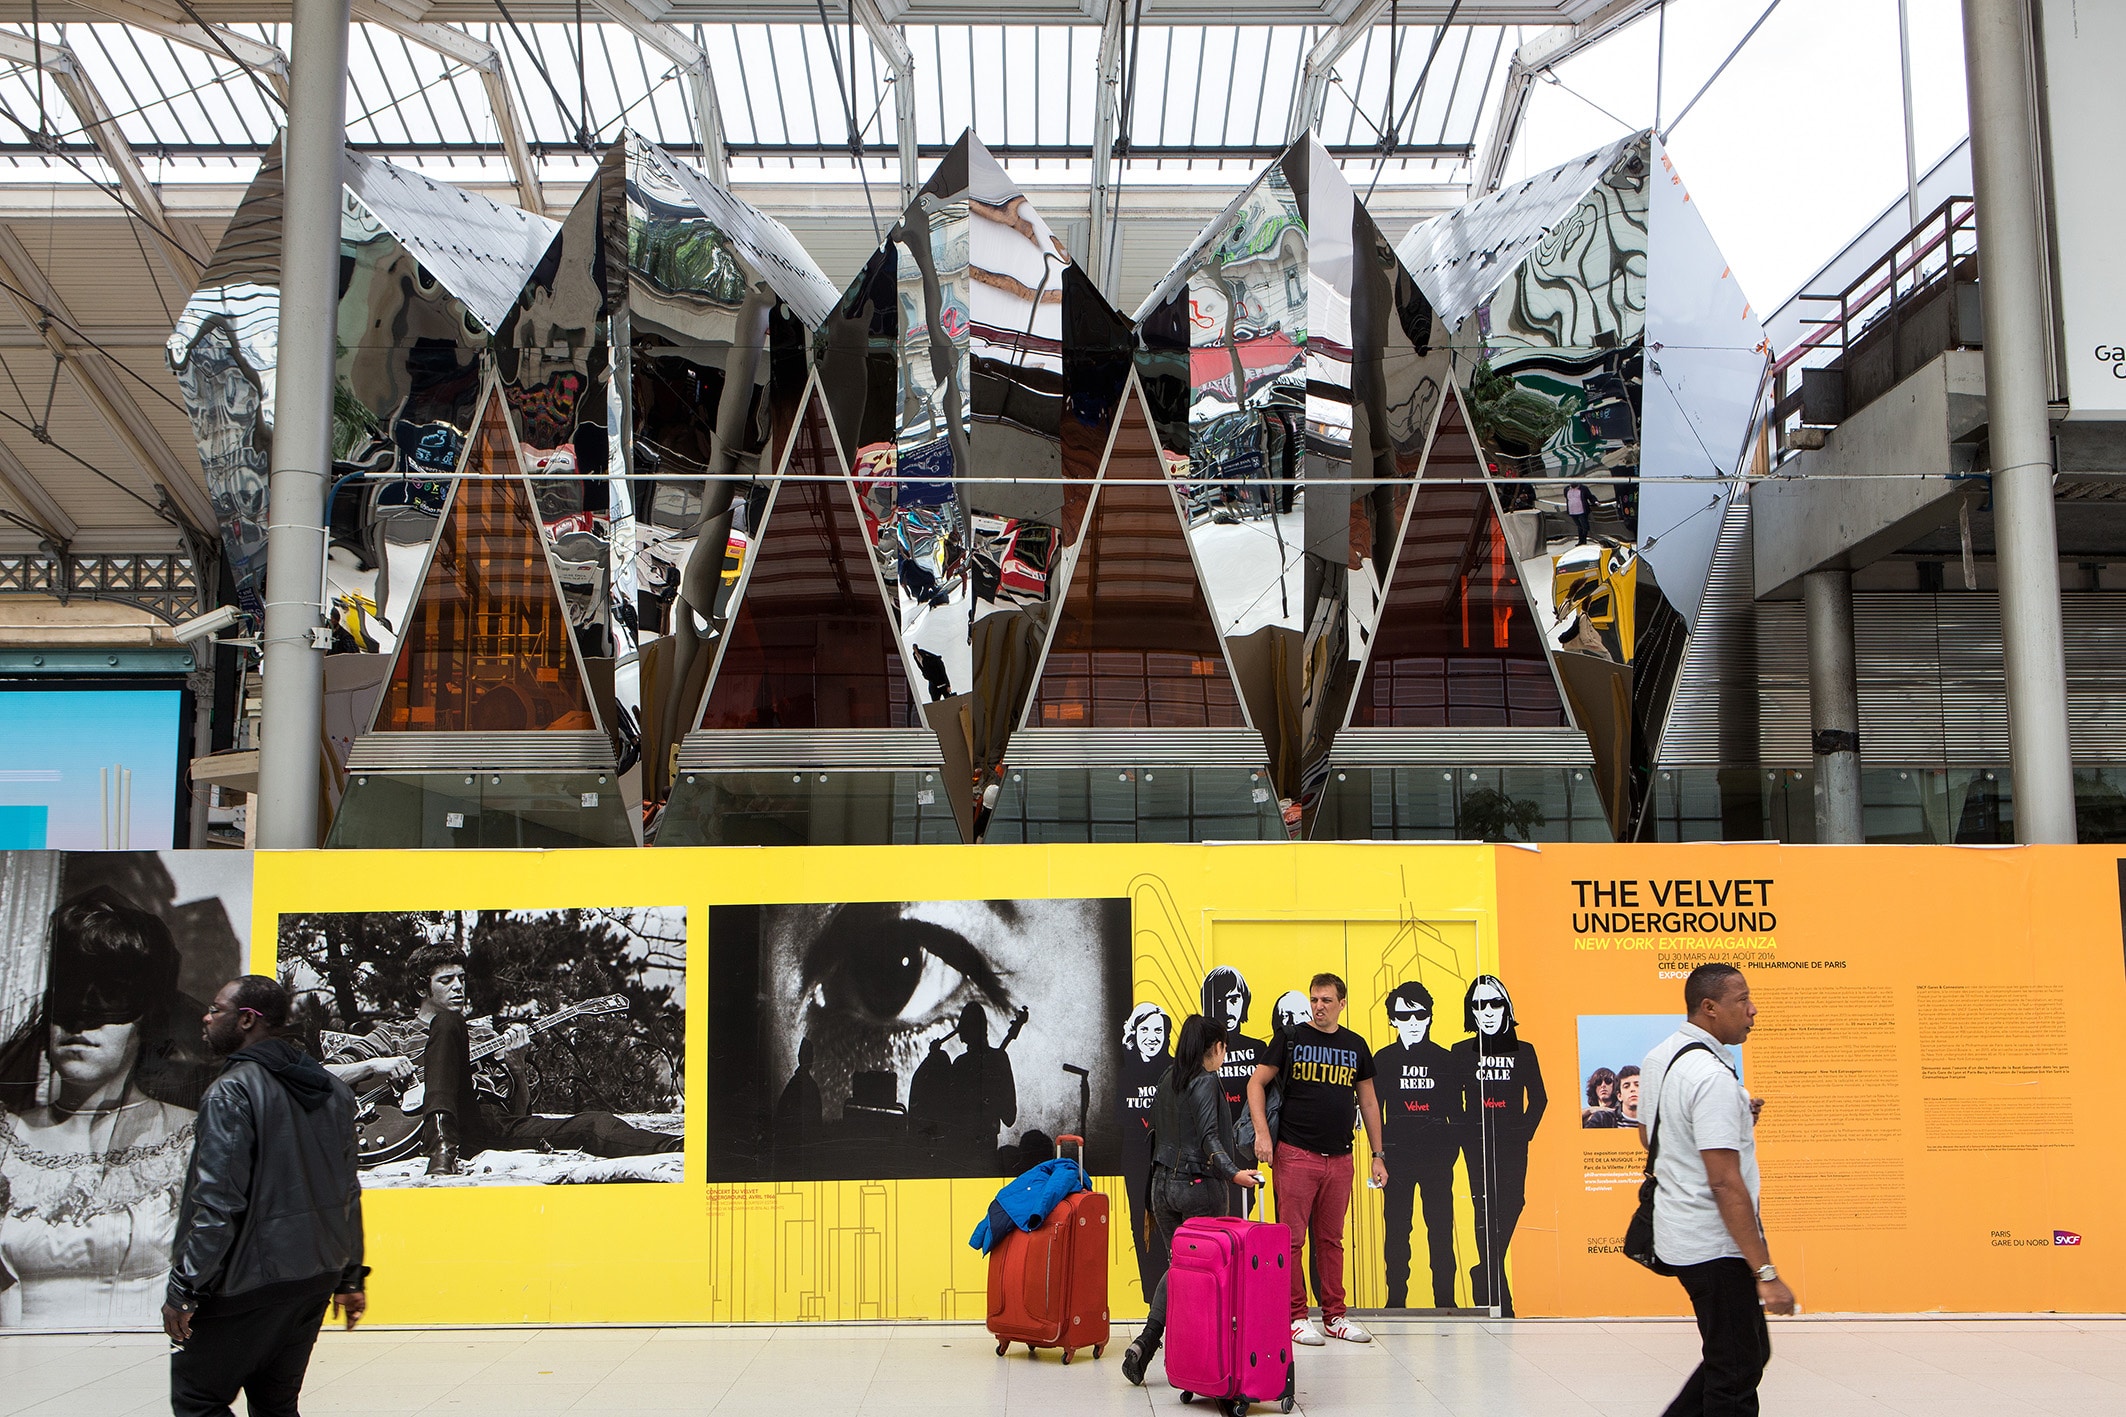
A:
1701,1106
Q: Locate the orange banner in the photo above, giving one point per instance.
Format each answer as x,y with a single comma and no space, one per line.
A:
1936,1048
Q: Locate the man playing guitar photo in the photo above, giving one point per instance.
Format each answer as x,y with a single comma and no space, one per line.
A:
468,1088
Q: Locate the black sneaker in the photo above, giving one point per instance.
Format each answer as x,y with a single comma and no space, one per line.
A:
1135,1359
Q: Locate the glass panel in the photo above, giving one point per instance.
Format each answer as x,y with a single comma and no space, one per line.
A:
811,645
486,646
1460,803
1135,646
1457,645
808,809
442,810
1136,804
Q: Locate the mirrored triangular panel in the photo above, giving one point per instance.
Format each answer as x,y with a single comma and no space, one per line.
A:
1135,645
811,645
487,645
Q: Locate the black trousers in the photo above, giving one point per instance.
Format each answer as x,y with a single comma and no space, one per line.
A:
1738,1343
1498,1185
1420,1177
446,1067
262,1352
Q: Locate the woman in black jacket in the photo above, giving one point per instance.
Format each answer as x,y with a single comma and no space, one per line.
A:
1192,1161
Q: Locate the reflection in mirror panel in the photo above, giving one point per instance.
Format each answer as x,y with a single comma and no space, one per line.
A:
487,646
973,376
427,271
1457,645
1609,365
1293,376
1135,645
811,644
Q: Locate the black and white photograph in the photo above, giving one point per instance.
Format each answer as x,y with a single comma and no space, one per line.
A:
500,1047
888,1040
107,960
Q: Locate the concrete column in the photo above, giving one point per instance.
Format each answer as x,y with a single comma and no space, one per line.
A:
2012,285
294,668
1834,705
201,682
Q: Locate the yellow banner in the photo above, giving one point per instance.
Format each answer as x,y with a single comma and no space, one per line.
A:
859,1045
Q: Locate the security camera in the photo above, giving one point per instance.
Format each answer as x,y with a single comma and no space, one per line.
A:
206,626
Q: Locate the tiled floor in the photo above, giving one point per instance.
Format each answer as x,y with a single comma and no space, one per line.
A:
1418,1368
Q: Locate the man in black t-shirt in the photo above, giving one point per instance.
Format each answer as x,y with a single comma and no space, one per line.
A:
1420,1097
1327,1068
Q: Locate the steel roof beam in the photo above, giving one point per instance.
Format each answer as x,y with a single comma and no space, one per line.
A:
693,65
1107,101
1320,69
1552,46
891,43
263,59
30,494
42,310
96,120
483,59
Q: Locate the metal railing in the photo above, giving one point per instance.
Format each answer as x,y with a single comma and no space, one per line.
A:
1917,300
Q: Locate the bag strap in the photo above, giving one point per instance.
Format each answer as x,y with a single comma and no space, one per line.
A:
1653,1138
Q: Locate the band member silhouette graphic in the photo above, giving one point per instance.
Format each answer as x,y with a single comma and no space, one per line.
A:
798,1116
1227,1000
1502,1092
1144,1059
1421,1090
960,1104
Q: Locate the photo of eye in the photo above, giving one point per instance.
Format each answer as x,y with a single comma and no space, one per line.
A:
901,1039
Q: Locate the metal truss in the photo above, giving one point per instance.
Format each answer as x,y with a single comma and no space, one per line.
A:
166,584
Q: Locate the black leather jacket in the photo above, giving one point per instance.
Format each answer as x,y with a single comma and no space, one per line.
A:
272,1198
1192,1131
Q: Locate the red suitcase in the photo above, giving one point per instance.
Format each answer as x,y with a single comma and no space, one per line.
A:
1048,1287
1228,1302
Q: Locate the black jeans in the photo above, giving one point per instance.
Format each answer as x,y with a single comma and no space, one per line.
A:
1176,1198
1498,1186
446,1068
1420,1177
263,1352
1738,1343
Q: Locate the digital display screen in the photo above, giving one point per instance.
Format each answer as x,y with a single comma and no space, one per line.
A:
89,769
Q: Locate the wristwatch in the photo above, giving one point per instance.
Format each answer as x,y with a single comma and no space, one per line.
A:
1767,1274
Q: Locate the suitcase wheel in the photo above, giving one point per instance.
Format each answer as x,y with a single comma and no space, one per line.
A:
1098,1349
1067,1356
1236,1407
1188,1397
1003,1346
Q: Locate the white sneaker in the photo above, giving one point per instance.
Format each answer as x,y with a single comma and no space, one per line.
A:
1308,1331
1348,1329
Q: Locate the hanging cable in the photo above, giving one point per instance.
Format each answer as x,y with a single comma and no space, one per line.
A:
223,45
109,189
583,86
539,64
841,86
1417,91
37,54
1663,135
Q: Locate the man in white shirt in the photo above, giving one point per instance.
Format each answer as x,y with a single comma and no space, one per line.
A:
1706,1224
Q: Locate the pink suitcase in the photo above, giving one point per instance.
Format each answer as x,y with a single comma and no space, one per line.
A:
1228,1306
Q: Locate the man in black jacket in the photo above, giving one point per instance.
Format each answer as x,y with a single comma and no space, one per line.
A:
269,1230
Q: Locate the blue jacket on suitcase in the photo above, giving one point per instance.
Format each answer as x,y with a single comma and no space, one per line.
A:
1024,1203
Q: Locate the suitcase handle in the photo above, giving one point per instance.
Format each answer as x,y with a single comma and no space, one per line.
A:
1084,1179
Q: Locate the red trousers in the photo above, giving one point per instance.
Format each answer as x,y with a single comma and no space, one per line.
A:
1313,1195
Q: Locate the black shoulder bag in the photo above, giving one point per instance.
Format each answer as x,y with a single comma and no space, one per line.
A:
1639,1235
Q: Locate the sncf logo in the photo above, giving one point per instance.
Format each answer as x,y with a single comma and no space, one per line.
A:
2066,1237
